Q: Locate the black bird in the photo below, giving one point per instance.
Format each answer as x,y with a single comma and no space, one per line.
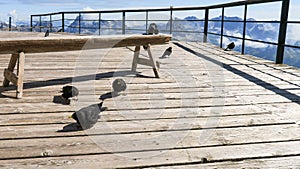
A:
69,91
88,116
119,85
145,47
230,46
167,52
153,29
60,30
47,33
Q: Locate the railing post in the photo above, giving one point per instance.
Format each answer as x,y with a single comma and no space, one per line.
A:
222,28
171,18
123,23
79,24
40,24
63,22
206,25
99,26
147,17
50,23
9,23
31,20
244,28
282,30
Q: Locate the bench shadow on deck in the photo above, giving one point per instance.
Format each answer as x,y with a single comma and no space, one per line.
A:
247,118
68,80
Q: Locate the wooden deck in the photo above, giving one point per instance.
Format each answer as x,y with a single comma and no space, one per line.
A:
209,109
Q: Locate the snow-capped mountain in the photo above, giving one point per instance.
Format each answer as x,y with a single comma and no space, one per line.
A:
90,25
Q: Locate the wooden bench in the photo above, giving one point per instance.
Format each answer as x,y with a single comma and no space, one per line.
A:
18,44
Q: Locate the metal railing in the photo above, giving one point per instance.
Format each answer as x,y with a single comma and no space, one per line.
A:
74,22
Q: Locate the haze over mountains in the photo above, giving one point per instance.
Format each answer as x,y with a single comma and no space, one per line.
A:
191,26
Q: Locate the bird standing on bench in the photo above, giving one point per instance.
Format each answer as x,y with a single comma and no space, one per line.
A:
153,29
47,33
87,117
167,52
230,46
69,92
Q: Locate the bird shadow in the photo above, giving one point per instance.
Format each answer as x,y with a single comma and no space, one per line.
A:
73,127
109,95
60,100
144,76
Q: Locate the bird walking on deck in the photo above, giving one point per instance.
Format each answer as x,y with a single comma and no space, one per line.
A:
167,52
88,116
230,46
69,92
47,33
119,85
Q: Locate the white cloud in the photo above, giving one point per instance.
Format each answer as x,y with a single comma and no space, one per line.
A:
90,16
234,33
254,44
12,13
269,27
293,33
89,9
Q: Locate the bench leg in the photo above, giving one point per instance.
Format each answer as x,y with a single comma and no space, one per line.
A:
20,74
152,62
135,58
9,76
142,61
11,67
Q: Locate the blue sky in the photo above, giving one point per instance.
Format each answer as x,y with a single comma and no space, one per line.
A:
22,9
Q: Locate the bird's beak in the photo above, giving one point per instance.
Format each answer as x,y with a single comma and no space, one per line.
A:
70,117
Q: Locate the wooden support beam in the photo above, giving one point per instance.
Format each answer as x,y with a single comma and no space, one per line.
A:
10,76
11,67
143,61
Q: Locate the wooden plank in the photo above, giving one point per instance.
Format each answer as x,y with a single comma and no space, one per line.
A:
126,104
275,162
58,116
89,144
162,157
141,125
